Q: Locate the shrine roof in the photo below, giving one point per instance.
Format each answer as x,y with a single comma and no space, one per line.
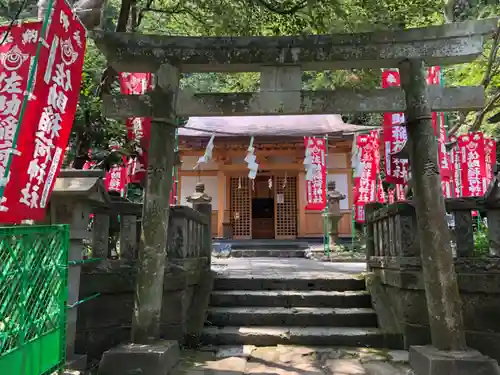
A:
268,126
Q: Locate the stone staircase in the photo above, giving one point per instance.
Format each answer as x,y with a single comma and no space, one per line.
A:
270,311
268,249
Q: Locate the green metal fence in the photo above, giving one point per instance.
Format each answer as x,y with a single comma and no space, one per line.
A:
33,296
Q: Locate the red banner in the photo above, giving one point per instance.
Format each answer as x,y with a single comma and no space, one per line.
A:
173,192
116,178
472,164
380,192
17,53
138,128
359,213
365,186
394,136
491,158
455,168
48,118
400,193
316,186
391,196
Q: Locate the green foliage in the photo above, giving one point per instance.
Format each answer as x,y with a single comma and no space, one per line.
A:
481,241
266,17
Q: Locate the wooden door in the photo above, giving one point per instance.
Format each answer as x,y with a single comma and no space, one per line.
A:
241,215
263,223
285,201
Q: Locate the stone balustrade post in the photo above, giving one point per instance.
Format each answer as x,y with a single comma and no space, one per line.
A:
197,313
202,203
75,191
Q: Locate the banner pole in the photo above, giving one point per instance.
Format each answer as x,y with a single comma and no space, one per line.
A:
326,234
175,171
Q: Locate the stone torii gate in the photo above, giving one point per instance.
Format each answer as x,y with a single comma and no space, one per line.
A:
280,60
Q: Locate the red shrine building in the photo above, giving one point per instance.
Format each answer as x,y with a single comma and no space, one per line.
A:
273,205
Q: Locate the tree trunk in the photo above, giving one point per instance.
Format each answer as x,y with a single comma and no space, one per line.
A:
440,281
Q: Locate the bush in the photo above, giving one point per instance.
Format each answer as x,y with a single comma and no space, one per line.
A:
481,241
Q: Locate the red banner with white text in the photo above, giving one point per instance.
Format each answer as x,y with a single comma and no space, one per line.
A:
455,167
366,188
117,178
472,164
490,158
394,136
48,118
138,128
17,51
316,185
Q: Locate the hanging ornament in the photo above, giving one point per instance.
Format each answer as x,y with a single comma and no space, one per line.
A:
239,183
253,185
284,181
270,183
308,164
208,153
250,159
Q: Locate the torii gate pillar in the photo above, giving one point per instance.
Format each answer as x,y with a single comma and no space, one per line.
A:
449,354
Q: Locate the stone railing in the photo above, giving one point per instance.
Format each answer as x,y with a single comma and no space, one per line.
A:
187,232
105,321
396,281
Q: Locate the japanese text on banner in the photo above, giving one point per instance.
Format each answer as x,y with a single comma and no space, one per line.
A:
116,177
49,117
138,128
316,185
394,136
17,55
365,186
472,164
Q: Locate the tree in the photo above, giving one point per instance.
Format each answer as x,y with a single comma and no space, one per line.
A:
264,17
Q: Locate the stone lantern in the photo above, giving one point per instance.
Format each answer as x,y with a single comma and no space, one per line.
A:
333,214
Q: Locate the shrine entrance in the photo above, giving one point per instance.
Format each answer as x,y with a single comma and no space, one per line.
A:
263,207
286,198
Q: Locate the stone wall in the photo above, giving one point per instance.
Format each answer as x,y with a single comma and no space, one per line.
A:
105,321
396,280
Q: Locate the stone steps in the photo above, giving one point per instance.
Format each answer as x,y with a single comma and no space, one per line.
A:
295,316
289,298
268,253
313,336
318,309
339,284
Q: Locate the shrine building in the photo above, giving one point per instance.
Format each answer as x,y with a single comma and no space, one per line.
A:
273,206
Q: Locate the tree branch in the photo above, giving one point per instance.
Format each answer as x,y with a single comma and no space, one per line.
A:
480,115
488,75
462,116
278,9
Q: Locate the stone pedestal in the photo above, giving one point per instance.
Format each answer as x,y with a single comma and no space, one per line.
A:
197,313
427,360
74,193
333,215
157,358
